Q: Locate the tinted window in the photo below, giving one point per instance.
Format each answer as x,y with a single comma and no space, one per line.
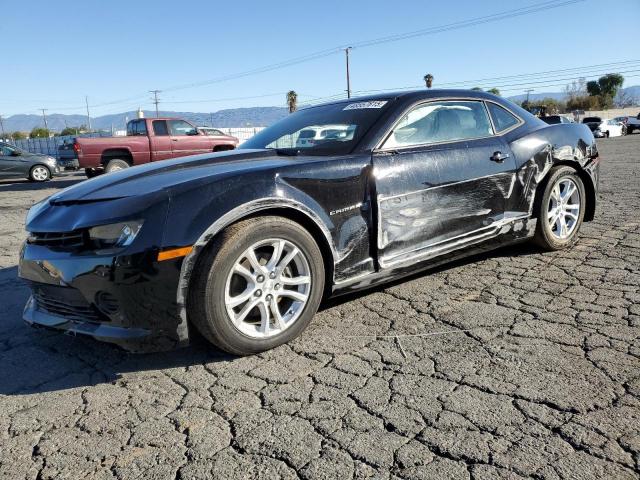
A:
180,127
591,119
551,120
5,151
160,128
441,122
348,122
503,119
137,127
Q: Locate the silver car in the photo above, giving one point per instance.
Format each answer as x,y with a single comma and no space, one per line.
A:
15,162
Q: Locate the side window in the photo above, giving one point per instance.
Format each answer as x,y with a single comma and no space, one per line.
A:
437,122
137,127
180,127
6,151
160,128
502,118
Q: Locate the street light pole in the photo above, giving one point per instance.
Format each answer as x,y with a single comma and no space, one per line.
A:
346,51
2,127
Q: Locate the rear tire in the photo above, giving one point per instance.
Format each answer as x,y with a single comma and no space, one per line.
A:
560,210
225,275
115,165
39,173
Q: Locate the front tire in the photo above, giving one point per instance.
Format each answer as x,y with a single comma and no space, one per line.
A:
39,173
115,165
257,286
560,210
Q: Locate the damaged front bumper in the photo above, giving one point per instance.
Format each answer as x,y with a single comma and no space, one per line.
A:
128,300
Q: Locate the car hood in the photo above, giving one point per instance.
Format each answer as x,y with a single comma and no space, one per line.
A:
171,175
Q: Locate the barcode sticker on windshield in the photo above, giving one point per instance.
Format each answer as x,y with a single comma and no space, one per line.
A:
361,105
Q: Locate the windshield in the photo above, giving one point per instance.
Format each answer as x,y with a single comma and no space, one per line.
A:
591,119
323,130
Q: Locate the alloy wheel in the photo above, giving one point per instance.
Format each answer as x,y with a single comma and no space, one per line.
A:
40,173
267,288
564,208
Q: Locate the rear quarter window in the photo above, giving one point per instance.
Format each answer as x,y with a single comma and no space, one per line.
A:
502,118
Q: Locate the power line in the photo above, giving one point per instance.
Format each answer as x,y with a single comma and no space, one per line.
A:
538,7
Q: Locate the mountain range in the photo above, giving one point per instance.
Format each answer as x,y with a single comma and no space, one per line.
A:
234,117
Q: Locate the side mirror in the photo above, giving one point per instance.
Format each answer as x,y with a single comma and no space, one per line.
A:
193,132
16,153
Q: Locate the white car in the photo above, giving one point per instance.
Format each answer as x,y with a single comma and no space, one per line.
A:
313,134
609,128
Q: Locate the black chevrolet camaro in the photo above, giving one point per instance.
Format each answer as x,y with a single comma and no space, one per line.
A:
244,245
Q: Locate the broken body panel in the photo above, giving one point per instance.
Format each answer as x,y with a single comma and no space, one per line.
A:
377,214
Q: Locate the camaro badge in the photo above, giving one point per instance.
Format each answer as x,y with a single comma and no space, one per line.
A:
345,209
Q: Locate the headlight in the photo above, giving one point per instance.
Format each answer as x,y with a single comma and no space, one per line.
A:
115,235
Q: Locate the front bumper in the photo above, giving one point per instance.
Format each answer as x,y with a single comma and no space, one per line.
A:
128,300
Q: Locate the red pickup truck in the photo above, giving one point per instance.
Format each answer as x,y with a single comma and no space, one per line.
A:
147,140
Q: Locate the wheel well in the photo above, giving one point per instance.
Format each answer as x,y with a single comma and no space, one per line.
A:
300,218
120,154
589,188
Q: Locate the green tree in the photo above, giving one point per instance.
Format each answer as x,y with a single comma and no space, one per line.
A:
72,131
605,89
18,135
39,132
494,90
477,89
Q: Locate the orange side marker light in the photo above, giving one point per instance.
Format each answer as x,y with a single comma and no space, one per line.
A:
174,253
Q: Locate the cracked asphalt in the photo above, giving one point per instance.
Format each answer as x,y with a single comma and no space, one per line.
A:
526,365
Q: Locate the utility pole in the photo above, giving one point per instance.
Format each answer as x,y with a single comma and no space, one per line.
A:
86,102
346,51
2,127
44,116
155,99
528,91
211,118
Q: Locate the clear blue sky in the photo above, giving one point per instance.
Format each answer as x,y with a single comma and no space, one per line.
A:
56,52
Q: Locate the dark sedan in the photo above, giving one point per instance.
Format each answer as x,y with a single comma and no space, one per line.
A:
17,163
243,245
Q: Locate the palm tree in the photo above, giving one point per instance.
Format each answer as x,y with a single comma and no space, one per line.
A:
292,101
428,80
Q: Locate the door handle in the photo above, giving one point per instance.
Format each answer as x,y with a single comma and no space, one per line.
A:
499,157
174,139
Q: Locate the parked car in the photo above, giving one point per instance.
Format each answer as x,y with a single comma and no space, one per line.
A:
147,140
214,132
67,159
609,128
15,162
243,245
555,119
630,124
318,133
592,122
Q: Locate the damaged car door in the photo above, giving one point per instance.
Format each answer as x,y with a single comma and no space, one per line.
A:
442,177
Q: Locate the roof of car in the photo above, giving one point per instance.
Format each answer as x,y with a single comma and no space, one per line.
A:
420,94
